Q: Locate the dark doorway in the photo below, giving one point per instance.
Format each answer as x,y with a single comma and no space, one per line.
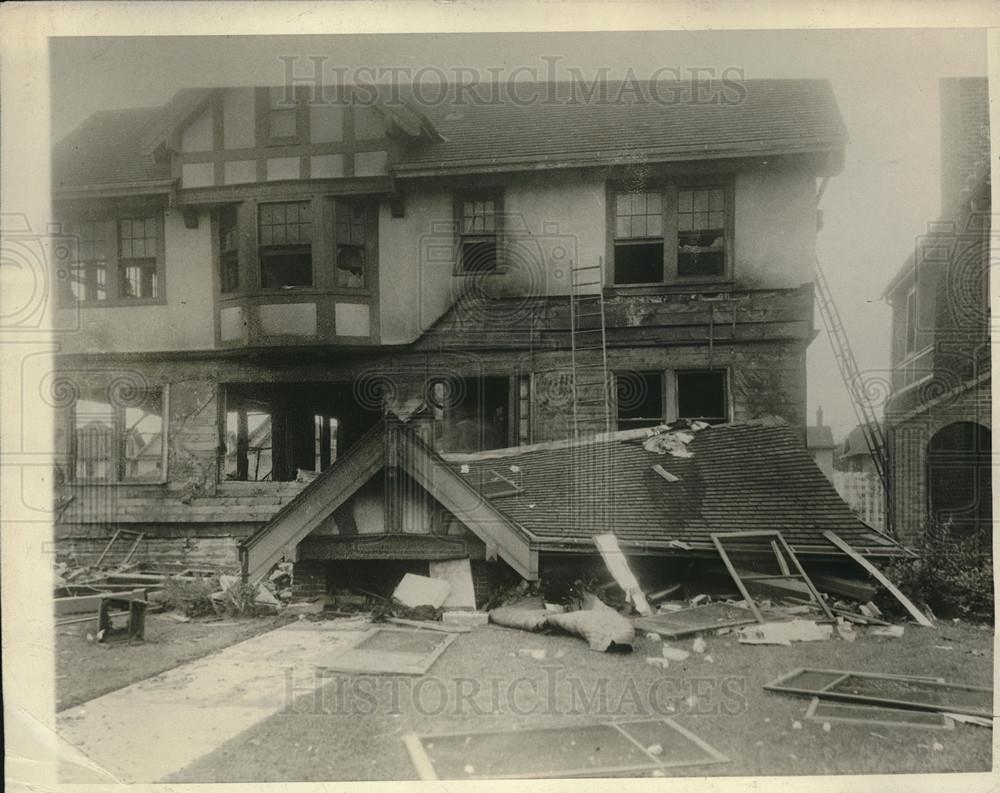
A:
958,477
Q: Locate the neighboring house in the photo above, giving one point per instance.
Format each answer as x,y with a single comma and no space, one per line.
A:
820,444
857,481
938,416
322,260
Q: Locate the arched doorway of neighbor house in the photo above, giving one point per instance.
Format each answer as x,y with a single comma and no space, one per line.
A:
958,477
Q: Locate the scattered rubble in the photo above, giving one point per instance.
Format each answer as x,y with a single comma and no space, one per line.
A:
784,632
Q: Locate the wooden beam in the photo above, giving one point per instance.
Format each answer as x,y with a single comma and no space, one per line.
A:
84,603
879,576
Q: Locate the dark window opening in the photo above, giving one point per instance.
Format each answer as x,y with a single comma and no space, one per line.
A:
479,235
229,253
638,238
474,414
701,396
911,322
639,399
272,432
138,240
352,230
701,236
285,235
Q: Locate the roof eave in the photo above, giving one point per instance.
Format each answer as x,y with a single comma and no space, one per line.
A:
114,190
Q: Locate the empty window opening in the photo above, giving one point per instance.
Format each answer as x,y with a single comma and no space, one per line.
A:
353,235
285,232
639,398
119,438
638,238
959,470
701,396
479,234
474,414
274,431
701,231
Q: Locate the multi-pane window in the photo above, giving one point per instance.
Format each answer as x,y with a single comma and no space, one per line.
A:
351,228
638,237
639,399
701,395
89,273
282,115
114,440
138,240
479,233
701,231
229,250
285,244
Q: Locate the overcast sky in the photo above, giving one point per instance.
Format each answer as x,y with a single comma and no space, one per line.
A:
886,83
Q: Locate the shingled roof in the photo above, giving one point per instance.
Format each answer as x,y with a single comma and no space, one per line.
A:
558,124
538,125
107,149
751,476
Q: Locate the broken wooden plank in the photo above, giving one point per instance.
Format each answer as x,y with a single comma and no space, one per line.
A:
860,591
614,560
429,626
879,576
84,603
887,690
687,622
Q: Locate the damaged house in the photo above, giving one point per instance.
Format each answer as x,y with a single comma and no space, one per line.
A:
365,332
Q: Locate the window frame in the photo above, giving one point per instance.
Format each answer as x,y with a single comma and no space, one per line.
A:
496,195
114,262
640,422
267,108
727,396
260,246
118,459
369,207
669,190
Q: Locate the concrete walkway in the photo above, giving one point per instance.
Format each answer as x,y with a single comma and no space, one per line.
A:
155,727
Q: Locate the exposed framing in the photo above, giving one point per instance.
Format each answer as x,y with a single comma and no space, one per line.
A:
776,541
785,684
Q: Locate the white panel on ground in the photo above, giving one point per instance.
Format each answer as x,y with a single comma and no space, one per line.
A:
288,319
458,574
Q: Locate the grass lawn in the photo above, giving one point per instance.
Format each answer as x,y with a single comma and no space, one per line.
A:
352,728
85,670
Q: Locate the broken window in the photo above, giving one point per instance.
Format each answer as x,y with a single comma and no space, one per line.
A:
285,249
324,442
282,116
701,396
354,229
639,399
474,413
88,274
229,253
701,231
638,237
479,228
119,438
138,249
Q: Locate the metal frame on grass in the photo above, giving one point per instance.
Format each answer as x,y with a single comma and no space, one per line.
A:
776,540
879,715
825,691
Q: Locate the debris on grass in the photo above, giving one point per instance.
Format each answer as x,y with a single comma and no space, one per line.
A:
784,633
674,654
890,631
698,645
